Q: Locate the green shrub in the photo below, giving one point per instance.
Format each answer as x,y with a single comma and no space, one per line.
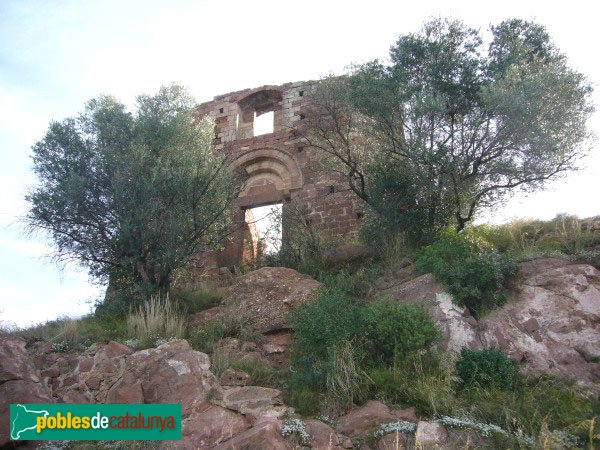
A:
355,285
74,334
471,269
193,300
485,368
425,382
305,401
318,327
393,332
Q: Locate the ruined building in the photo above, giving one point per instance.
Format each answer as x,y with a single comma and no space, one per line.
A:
277,166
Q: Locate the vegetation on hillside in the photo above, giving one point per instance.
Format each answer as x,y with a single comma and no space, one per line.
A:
426,140
447,127
132,197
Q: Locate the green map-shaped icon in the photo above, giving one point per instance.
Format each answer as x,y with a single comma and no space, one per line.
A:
23,419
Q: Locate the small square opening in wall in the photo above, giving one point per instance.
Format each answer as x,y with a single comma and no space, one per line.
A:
301,93
302,116
220,110
263,124
299,149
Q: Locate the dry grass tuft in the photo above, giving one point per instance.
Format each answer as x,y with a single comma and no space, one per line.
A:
155,321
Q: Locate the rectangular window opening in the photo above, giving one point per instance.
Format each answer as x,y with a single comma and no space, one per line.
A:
263,124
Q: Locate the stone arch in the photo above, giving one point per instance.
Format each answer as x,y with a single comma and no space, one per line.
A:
269,175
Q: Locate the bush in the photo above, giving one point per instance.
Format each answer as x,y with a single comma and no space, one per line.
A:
154,320
470,268
318,327
485,368
191,301
425,382
393,332
73,334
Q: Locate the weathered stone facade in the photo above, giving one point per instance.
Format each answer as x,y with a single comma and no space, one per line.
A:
278,167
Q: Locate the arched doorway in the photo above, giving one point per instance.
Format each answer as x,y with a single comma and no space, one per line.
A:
269,175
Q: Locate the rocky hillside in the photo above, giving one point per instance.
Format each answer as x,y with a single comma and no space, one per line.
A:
550,325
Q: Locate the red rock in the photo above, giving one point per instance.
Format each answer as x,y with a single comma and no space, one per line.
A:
266,296
74,396
85,365
231,377
18,391
127,390
430,434
408,414
41,348
51,372
264,436
209,425
361,420
392,441
550,320
93,383
15,363
171,373
322,436
198,319
250,397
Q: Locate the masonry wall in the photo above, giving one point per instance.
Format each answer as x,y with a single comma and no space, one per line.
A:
278,166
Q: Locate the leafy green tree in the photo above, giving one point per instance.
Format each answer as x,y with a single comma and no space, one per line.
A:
446,127
132,196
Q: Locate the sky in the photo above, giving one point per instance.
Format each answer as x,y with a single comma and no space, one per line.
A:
56,55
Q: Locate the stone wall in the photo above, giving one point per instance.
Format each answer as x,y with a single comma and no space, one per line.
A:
278,167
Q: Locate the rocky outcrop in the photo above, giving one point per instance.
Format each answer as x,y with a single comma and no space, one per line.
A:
552,321
19,381
170,373
458,327
266,296
208,425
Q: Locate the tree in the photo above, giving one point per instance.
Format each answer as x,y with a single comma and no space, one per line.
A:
132,196
445,128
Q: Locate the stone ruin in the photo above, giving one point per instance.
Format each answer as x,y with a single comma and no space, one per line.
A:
277,167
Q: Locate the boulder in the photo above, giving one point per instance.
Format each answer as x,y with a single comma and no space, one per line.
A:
201,318
246,398
263,436
208,425
275,347
349,256
430,435
266,296
552,320
406,415
170,373
365,418
322,436
458,327
393,441
19,382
